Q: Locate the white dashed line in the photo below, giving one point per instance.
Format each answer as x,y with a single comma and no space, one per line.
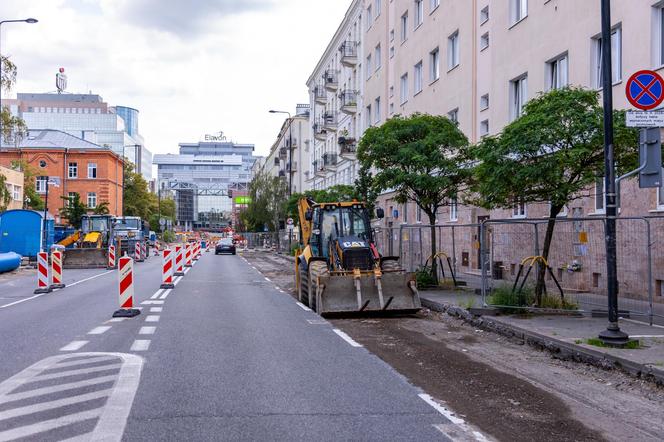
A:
140,345
177,280
457,423
267,279
165,294
74,345
152,302
116,320
152,318
303,307
187,270
157,294
346,338
147,330
156,309
99,330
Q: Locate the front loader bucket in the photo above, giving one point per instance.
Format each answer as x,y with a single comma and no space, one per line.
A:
85,259
389,292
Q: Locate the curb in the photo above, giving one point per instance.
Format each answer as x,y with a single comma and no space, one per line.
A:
559,349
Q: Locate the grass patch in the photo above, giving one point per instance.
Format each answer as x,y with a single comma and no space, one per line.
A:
424,278
596,342
468,303
503,296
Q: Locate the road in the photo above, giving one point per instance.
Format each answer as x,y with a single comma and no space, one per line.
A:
226,355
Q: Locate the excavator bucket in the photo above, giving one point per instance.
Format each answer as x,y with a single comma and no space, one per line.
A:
367,292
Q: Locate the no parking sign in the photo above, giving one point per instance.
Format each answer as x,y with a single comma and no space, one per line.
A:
645,90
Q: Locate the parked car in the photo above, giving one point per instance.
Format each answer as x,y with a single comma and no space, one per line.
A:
225,246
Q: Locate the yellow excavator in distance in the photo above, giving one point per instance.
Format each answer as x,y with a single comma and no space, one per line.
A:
340,269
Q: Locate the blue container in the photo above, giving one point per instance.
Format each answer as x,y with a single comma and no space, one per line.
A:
21,231
9,261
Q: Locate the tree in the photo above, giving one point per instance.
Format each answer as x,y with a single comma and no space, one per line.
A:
13,128
101,209
551,154
138,200
74,210
332,194
33,199
422,158
268,196
5,195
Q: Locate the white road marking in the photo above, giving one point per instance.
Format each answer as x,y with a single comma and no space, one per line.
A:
459,424
267,279
346,338
634,321
152,302
90,278
60,374
165,294
177,280
147,330
23,300
74,345
156,309
99,330
646,336
157,294
152,318
43,406
22,432
116,319
187,270
303,307
140,345
62,387
76,362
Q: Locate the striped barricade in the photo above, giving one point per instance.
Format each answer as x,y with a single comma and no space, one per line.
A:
43,277
167,269
56,270
187,255
179,261
126,289
111,257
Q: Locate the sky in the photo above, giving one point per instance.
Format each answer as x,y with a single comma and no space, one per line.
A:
191,67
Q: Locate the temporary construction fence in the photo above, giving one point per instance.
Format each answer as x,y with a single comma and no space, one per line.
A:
488,255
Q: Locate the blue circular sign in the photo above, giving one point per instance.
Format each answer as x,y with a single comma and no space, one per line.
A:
645,90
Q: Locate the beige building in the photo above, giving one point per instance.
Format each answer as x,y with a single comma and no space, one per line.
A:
14,184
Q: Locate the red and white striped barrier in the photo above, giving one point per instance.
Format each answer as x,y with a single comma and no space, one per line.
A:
126,288
195,252
187,255
137,251
43,277
179,261
111,257
167,269
56,270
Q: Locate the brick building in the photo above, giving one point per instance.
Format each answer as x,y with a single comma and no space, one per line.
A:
78,166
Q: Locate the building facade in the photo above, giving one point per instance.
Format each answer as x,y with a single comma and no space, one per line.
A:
14,184
72,165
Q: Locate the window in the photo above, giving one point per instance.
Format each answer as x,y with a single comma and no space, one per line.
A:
377,110
404,27
40,184
558,72
484,128
616,58
453,115
599,195
419,12
519,94
391,108
453,50
92,200
417,80
659,35
433,4
434,62
391,91
454,209
484,41
367,117
404,88
368,69
519,10
378,56
391,34
519,208
484,102
484,15
92,170
73,170
377,7
369,17
391,51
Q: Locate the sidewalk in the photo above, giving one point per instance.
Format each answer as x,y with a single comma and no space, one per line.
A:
564,336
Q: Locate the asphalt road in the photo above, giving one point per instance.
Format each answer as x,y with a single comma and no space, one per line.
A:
225,355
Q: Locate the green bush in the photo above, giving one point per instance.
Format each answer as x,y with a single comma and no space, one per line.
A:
503,296
424,278
169,236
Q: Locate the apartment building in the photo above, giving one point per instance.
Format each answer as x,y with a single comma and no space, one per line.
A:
14,184
335,89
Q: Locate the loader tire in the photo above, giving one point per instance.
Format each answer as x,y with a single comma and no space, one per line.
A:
303,289
390,265
316,269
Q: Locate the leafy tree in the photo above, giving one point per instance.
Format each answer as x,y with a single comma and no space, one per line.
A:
74,210
13,128
268,203
551,154
336,193
33,199
138,200
421,158
5,195
101,209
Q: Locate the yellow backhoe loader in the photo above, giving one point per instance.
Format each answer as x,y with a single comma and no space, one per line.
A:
340,269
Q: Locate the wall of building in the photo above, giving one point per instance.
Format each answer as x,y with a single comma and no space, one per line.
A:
14,184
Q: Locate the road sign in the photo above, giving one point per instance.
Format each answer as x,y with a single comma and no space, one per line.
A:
290,221
644,119
645,90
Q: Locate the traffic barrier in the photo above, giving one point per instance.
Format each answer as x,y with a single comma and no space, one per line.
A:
111,257
43,285
126,289
56,270
187,255
195,252
179,261
167,269
137,252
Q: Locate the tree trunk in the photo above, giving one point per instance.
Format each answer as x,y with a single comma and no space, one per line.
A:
541,269
434,263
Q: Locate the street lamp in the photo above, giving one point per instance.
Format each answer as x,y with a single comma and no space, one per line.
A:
27,20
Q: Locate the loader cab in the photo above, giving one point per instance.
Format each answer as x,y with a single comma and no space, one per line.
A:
333,221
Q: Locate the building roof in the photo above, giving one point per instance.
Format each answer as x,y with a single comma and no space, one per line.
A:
197,160
52,139
61,98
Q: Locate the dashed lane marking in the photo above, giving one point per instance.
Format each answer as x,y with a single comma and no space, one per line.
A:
156,309
99,330
152,302
152,318
74,345
157,294
303,307
346,338
187,270
42,402
147,330
140,345
165,294
116,319
177,280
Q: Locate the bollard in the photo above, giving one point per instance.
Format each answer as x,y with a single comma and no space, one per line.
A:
126,289
179,261
187,255
137,252
56,270
43,285
111,257
167,270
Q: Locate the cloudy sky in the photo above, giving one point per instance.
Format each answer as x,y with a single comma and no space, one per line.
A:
190,66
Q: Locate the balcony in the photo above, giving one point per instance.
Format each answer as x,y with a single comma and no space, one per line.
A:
319,132
331,78
294,169
283,152
291,142
348,102
319,170
330,120
330,161
276,161
348,146
348,51
320,95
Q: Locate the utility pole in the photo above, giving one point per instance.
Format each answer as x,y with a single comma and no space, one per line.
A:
612,335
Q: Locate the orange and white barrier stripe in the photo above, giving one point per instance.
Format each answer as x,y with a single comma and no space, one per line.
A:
111,257
43,277
167,269
187,255
126,288
56,270
179,261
